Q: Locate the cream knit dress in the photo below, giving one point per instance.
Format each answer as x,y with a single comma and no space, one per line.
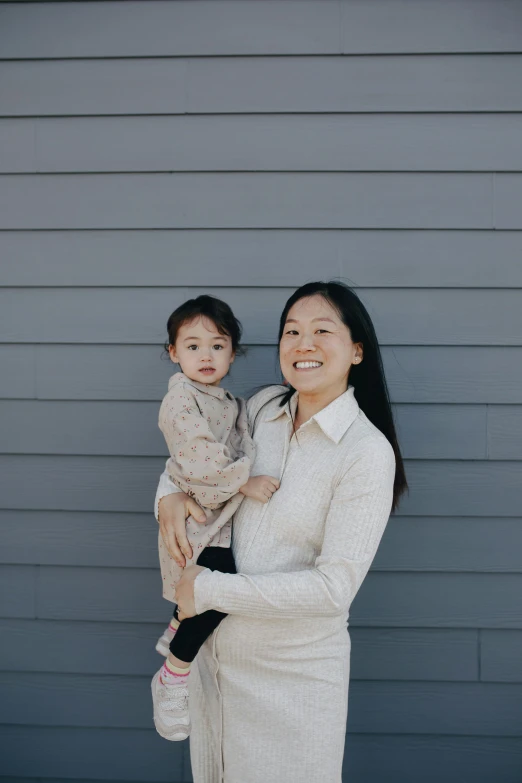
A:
269,694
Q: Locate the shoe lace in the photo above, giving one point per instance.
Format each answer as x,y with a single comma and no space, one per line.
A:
175,697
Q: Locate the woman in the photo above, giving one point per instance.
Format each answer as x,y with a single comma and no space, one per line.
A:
269,695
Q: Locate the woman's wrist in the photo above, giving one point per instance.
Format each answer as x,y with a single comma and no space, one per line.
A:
203,591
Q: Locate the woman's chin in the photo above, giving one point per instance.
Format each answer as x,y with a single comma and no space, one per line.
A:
306,383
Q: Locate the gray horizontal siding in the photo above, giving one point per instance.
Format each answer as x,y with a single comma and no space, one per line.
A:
376,707
508,201
133,754
382,258
129,540
136,372
229,85
358,142
501,656
504,432
130,428
159,28
395,600
421,544
229,147
271,27
400,316
426,654
261,200
98,753
18,377
18,591
83,483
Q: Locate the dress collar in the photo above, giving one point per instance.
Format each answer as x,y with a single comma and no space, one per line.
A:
214,391
334,420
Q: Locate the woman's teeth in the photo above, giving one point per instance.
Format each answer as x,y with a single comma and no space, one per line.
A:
307,365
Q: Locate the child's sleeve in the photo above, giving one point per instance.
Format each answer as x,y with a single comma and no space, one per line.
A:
199,465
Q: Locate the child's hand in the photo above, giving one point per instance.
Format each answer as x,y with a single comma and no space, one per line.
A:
260,488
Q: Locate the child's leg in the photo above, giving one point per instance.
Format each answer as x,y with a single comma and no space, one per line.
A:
169,685
162,645
194,631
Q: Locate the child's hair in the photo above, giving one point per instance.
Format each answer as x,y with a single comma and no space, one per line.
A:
209,307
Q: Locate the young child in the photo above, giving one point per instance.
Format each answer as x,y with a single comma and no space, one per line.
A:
211,455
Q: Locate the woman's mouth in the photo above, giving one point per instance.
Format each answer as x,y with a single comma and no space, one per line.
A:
307,365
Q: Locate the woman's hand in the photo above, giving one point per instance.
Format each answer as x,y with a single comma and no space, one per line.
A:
185,592
173,511
260,488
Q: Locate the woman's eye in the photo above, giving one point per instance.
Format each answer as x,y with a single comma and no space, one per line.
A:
324,330
291,331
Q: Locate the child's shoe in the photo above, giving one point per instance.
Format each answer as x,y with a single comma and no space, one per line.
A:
171,714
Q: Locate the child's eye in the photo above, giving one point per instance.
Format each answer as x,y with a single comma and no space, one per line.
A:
218,347
190,347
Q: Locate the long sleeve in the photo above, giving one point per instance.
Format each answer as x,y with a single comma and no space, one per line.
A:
165,487
357,516
199,465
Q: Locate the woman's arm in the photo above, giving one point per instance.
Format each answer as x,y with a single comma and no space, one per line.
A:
356,520
171,508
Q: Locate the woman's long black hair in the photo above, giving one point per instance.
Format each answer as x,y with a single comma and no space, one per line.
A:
367,378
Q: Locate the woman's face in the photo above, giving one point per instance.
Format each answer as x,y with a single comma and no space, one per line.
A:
316,349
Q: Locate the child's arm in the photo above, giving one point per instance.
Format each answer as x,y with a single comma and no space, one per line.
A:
260,488
199,465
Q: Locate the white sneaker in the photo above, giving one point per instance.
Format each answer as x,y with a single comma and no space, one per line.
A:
171,715
163,643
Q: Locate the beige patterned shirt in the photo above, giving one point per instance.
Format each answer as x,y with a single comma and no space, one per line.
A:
211,454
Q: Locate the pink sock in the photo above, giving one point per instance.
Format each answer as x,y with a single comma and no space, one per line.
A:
172,628
173,675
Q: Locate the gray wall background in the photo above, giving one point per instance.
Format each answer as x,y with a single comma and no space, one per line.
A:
150,151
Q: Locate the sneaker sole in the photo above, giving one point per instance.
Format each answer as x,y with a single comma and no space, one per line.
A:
168,732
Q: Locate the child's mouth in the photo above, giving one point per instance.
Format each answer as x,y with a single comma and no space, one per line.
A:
207,370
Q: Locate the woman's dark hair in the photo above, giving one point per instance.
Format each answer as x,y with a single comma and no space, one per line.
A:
209,307
367,378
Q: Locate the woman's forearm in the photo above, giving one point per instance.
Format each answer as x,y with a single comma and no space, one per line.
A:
326,590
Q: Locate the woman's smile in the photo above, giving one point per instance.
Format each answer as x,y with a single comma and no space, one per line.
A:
307,365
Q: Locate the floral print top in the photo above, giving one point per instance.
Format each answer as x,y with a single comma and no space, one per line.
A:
211,455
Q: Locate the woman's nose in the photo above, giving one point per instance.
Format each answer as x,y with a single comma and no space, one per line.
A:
306,343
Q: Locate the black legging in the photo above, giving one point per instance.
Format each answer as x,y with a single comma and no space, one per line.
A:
193,631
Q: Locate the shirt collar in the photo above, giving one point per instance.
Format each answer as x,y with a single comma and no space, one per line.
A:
334,420
214,391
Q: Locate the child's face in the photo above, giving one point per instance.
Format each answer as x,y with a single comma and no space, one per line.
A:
203,354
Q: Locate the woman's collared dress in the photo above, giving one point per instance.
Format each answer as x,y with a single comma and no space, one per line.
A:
269,694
